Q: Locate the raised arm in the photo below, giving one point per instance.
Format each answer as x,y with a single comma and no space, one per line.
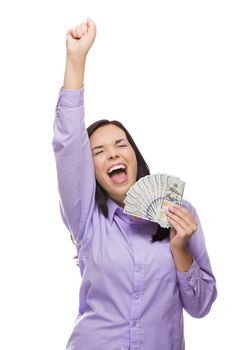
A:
78,43
75,171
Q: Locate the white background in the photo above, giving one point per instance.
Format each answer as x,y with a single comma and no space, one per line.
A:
163,68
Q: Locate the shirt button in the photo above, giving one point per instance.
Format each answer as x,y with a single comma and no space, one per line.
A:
138,268
136,296
134,323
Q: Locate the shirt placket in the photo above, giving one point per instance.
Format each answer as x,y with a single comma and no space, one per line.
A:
138,285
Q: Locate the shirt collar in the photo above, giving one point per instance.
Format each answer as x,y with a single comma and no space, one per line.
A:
114,208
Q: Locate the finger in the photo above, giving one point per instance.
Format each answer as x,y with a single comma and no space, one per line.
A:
186,222
83,26
181,209
78,31
183,225
91,26
73,33
90,22
180,214
69,37
184,214
176,226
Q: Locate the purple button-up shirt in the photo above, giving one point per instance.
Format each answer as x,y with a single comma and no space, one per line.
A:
131,295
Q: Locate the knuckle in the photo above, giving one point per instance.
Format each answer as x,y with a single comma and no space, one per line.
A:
184,210
82,28
182,215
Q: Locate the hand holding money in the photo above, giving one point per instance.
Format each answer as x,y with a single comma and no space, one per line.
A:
150,197
183,226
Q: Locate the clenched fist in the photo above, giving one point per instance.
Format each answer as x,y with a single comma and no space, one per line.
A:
79,39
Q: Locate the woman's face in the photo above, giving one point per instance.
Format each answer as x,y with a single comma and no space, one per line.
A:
114,160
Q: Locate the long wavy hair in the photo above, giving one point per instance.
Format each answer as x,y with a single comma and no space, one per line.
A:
143,170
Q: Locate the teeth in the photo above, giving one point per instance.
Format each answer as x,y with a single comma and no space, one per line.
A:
120,166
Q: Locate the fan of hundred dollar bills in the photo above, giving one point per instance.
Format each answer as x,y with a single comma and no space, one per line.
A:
151,195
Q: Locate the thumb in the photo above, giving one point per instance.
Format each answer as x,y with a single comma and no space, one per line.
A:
89,21
172,232
91,26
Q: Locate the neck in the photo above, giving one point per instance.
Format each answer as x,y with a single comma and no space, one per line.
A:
119,201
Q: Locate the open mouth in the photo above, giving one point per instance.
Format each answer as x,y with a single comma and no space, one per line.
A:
118,173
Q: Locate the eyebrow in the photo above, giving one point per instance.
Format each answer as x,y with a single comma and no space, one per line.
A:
116,142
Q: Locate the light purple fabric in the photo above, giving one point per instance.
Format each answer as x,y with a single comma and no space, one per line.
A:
131,294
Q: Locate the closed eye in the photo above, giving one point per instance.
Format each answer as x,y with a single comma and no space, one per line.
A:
95,154
102,151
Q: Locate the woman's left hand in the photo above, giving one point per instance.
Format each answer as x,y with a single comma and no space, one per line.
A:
183,226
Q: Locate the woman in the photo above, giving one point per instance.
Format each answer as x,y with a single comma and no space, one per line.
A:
136,277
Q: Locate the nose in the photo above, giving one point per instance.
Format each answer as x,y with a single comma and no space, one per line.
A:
112,154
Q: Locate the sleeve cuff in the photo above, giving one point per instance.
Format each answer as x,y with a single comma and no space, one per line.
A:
190,277
71,98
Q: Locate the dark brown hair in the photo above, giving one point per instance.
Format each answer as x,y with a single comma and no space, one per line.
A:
143,170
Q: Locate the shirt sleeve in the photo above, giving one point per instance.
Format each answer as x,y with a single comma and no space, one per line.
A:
75,170
197,285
